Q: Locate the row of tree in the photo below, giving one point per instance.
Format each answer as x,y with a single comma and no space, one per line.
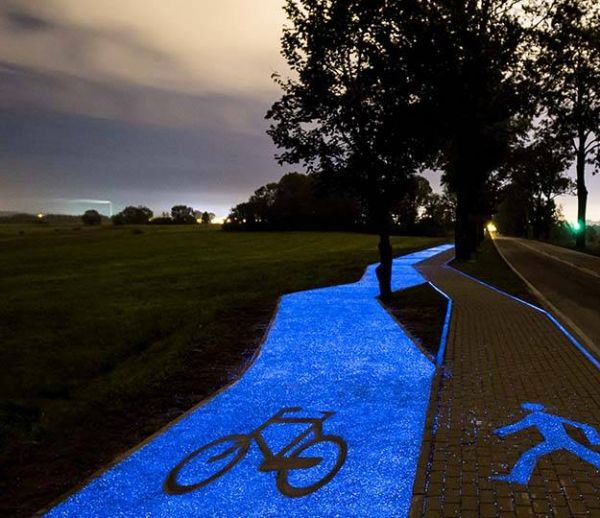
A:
380,90
140,215
534,177
299,202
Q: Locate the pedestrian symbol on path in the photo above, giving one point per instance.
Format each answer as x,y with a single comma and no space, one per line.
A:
552,428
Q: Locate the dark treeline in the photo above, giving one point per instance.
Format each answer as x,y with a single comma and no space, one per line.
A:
295,203
130,215
534,177
179,215
54,219
475,89
300,202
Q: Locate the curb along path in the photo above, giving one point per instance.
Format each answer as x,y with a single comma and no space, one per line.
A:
334,362
508,367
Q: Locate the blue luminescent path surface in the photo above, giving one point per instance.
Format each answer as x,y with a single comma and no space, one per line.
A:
333,349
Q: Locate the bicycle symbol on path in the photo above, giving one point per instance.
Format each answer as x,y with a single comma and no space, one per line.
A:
309,450
552,428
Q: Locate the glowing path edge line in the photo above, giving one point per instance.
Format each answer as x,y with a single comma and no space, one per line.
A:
331,349
439,360
589,356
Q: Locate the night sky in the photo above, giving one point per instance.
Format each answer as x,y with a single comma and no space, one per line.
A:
141,102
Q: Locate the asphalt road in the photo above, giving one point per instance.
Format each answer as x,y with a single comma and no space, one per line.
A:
569,280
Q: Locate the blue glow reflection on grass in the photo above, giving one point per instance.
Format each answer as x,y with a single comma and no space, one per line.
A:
333,349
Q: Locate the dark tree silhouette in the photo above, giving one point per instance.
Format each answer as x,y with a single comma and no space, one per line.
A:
512,215
183,215
356,108
537,173
405,212
439,213
535,176
133,216
295,203
483,94
207,218
299,202
91,217
569,68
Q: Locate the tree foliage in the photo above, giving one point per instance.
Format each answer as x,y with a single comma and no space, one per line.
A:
91,217
569,75
536,175
380,90
130,215
355,109
207,217
484,95
295,203
298,202
183,215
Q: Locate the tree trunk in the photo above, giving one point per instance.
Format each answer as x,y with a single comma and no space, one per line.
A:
384,270
582,195
480,229
465,231
536,220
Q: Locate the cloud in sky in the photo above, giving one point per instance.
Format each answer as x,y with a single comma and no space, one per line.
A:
63,155
138,101
142,101
229,46
30,89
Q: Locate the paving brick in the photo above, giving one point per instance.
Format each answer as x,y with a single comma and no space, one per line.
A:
469,503
522,511
561,512
506,504
499,355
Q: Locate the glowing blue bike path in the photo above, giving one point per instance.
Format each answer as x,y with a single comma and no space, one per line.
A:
334,349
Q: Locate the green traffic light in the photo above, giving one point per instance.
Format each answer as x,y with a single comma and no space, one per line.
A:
577,227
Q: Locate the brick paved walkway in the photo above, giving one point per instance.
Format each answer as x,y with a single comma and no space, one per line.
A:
502,354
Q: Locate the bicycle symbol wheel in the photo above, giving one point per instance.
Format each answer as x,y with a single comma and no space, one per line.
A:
331,445
209,459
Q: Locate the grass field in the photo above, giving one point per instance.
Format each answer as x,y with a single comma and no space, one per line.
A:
91,318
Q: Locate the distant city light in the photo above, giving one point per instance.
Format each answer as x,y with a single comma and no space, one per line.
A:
40,215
